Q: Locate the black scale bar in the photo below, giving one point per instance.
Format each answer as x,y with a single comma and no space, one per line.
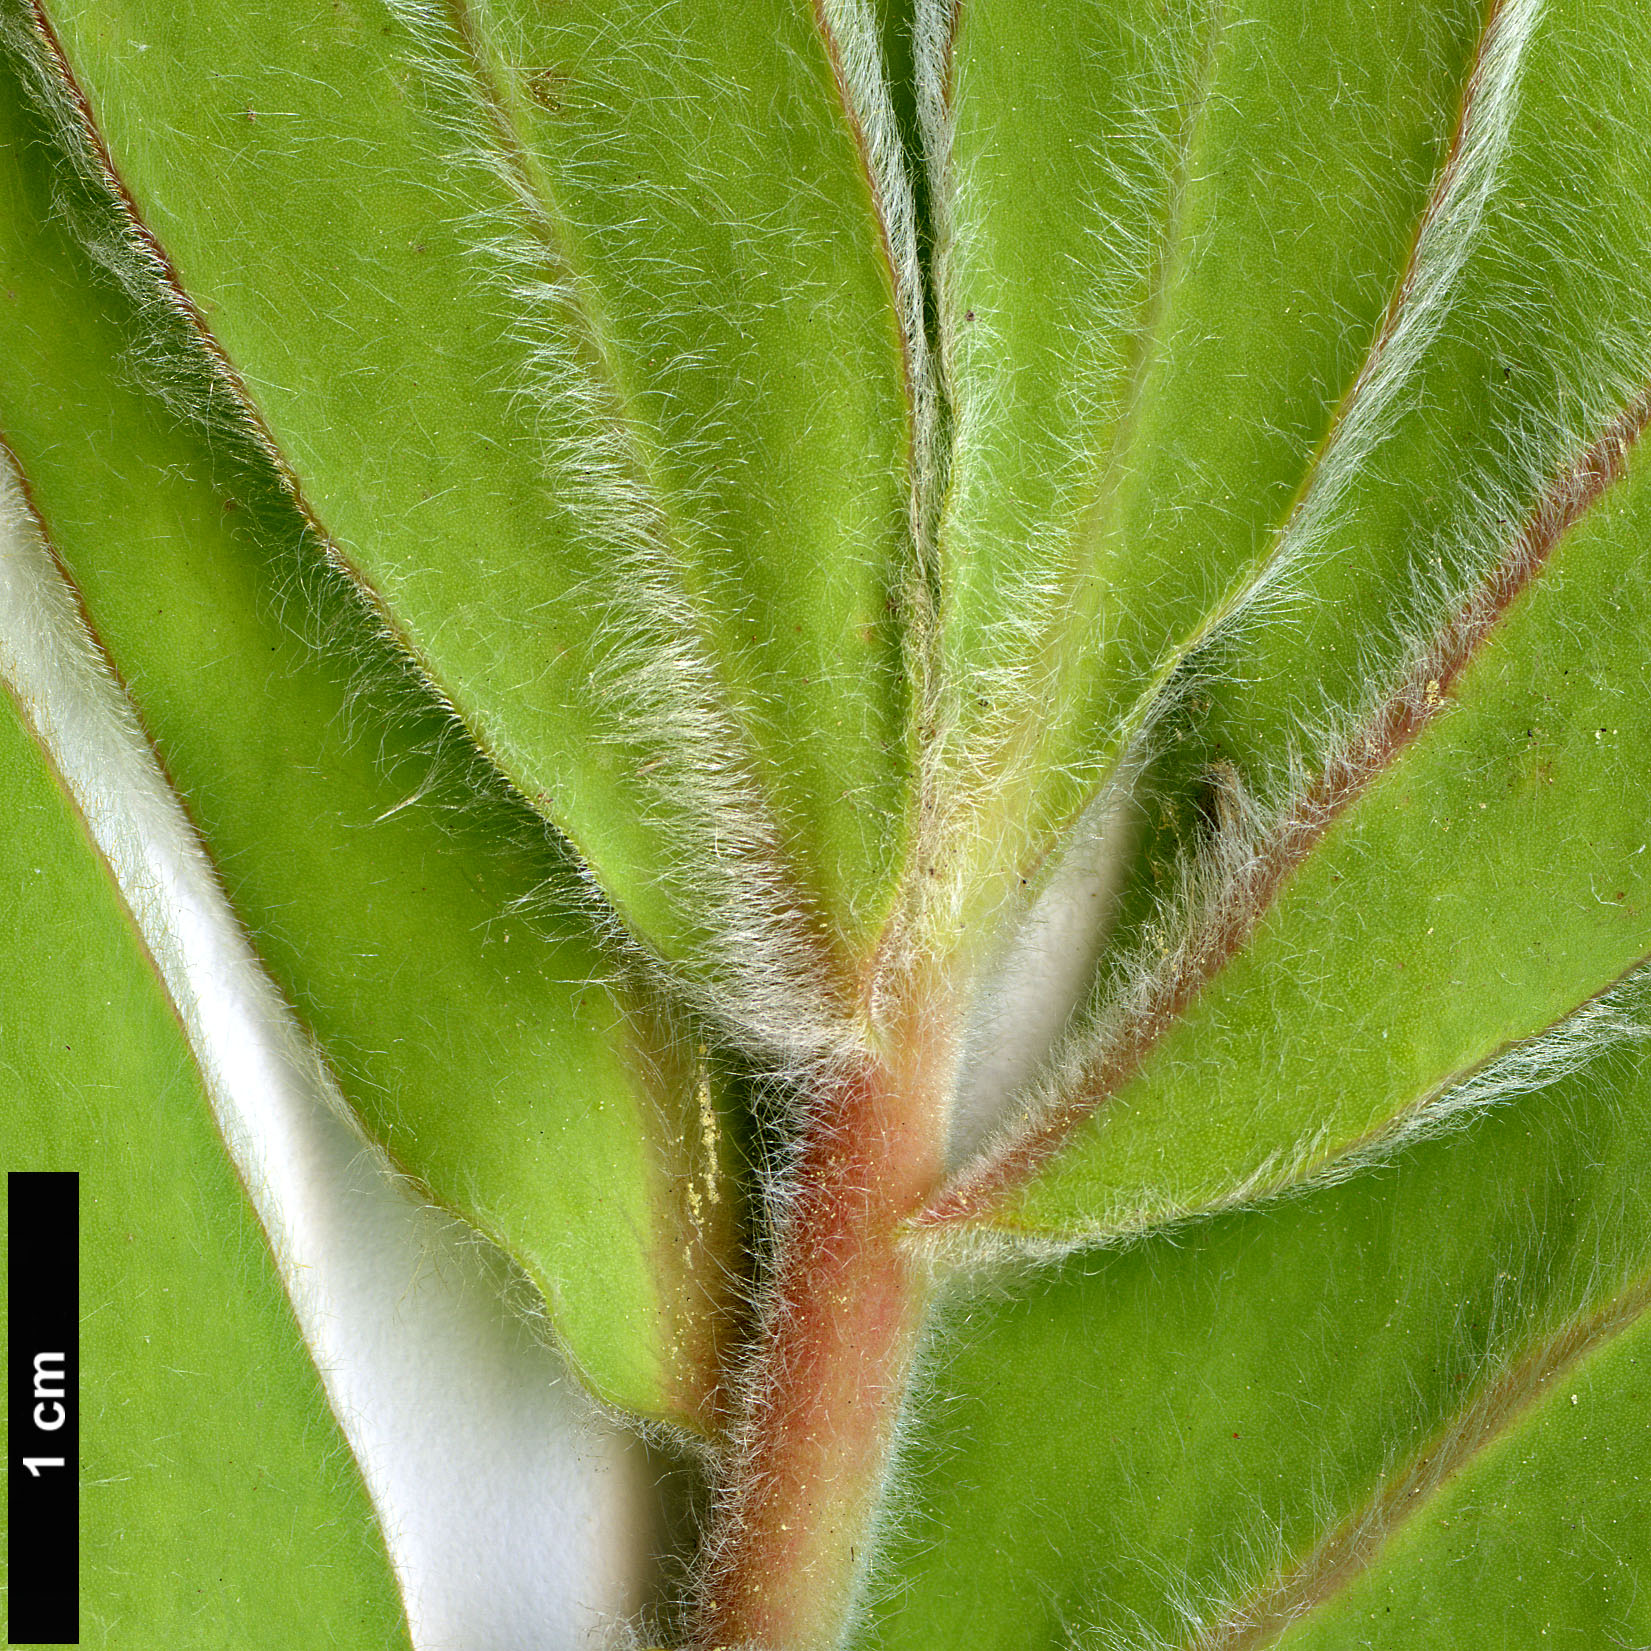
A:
43,1361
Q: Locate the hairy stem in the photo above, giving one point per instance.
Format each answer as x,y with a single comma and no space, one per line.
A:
792,1535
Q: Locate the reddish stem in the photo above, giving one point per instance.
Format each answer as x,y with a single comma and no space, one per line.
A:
829,1377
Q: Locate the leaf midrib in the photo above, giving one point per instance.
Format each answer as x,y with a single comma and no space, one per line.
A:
598,361
1056,658
1137,722
1223,931
603,361
1358,1542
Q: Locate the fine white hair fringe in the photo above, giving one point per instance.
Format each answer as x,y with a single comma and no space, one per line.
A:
510,1510
976,760
324,601
1597,379
760,975
1278,587
1615,1019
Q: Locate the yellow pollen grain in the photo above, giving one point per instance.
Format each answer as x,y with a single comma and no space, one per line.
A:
707,1132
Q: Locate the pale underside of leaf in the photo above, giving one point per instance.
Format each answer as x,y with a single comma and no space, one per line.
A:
689,794
552,1100
479,1454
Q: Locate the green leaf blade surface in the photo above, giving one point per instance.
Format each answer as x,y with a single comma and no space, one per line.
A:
219,1503
1520,336
1456,906
478,1028
1500,400
1146,1447
1295,364
1541,1537
442,344
1150,320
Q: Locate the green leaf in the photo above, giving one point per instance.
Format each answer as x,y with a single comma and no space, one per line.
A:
615,418
1150,1446
1405,812
1168,237
1076,571
218,1502
1522,336
498,1053
1493,869
1557,1500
